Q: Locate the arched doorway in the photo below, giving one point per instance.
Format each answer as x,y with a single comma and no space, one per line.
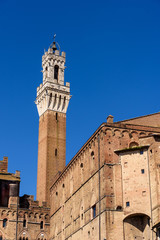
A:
137,226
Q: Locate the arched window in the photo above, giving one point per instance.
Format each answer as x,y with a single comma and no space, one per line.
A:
4,222
56,68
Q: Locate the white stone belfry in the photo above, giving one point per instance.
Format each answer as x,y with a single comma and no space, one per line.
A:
52,94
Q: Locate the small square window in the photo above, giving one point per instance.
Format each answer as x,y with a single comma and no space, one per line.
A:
127,204
141,151
142,171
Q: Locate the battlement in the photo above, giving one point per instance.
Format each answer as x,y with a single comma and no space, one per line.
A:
4,165
27,201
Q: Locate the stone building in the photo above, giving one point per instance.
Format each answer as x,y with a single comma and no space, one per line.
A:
109,190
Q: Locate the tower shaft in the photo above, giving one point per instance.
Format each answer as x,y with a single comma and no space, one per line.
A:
51,151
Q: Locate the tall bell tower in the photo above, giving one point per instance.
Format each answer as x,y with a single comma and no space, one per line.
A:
52,102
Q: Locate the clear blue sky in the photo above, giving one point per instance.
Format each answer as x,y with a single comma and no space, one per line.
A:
113,65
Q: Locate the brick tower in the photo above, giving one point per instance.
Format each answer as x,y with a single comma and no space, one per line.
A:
52,101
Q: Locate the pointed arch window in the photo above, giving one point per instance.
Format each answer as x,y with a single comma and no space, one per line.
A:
56,70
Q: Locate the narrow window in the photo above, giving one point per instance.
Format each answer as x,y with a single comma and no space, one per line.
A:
56,68
56,116
127,204
24,223
56,152
41,225
142,171
4,222
94,211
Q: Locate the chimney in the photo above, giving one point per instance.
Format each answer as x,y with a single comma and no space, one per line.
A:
110,119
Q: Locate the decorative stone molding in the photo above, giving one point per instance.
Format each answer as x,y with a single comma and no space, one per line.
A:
52,94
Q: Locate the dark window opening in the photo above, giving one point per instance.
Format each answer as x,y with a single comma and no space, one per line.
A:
142,171
56,193
56,116
92,153
94,211
56,152
56,68
63,185
141,152
82,216
41,225
127,204
4,222
24,223
81,165
119,208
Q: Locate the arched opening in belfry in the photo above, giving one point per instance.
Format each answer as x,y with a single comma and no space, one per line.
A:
56,70
137,226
